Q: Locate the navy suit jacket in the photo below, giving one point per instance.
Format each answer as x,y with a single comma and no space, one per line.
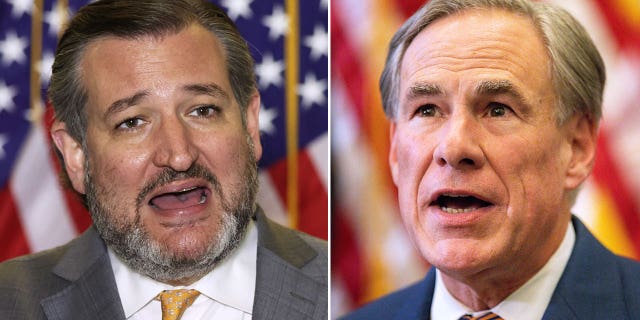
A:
596,284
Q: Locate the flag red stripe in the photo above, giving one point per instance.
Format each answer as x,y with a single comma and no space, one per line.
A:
313,196
345,57
313,199
14,242
625,34
345,63
346,256
350,66
607,173
408,7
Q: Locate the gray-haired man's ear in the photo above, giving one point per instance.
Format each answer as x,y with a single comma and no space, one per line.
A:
582,135
393,158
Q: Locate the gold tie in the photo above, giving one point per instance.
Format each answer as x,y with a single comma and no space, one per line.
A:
175,302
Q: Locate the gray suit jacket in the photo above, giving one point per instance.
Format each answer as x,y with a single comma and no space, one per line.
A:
75,281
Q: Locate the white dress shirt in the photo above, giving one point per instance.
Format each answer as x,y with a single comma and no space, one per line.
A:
227,292
527,303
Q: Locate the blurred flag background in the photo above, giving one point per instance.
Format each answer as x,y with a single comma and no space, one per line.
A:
289,42
371,254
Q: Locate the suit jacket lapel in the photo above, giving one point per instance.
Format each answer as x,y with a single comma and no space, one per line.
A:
283,290
590,282
418,302
92,291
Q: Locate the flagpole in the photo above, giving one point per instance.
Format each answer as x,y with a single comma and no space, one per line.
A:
35,102
291,74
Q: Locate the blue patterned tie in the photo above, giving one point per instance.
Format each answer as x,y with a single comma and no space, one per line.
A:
486,316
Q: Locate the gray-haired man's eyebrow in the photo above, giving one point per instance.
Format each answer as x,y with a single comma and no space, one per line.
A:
499,87
506,88
422,89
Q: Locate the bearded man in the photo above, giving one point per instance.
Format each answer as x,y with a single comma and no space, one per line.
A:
156,124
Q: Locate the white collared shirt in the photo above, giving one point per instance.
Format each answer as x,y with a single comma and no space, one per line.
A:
227,292
527,303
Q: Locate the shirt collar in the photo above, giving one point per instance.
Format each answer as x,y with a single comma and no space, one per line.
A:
527,303
232,282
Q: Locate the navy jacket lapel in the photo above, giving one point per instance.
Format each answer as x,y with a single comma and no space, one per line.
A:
92,291
590,287
288,285
418,301
596,284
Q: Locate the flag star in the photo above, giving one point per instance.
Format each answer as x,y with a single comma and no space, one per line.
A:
12,48
269,72
265,120
324,4
318,42
277,22
7,93
4,139
20,7
238,8
312,91
44,67
55,19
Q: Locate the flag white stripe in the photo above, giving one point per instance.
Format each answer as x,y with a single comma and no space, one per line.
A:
317,151
39,199
269,200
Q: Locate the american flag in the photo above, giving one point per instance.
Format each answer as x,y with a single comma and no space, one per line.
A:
287,38
371,252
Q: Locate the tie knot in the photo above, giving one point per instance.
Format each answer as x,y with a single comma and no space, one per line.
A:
175,302
486,316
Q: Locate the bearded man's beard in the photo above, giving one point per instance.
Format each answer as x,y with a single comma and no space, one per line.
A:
132,243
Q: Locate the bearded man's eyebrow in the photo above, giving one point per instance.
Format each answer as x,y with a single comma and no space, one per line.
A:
210,89
124,103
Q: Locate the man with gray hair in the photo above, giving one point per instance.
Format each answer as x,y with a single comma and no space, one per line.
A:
156,125
494,108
